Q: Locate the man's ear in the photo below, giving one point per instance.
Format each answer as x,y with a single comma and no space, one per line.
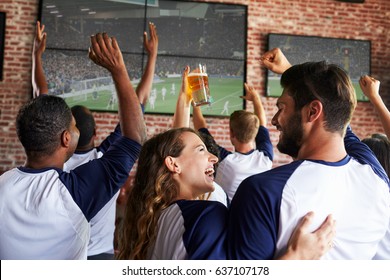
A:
66,138
314,110
171,164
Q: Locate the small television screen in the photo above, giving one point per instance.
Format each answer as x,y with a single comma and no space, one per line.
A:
190,32
351,55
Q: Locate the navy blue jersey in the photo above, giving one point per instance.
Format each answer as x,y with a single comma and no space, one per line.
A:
191,230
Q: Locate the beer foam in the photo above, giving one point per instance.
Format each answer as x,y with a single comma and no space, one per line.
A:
197,74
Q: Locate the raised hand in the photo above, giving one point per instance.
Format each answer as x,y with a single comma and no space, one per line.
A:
38,77
253,96
250,93
39,40
105,52
369,86
184,85
181,117
151,44
275,61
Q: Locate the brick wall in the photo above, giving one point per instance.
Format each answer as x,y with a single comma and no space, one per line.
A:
327,18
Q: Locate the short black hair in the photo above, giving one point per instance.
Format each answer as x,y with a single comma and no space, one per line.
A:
40,123
85,122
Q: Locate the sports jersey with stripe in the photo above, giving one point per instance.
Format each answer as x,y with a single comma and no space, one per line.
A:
103,223
44,214
268,206
191,230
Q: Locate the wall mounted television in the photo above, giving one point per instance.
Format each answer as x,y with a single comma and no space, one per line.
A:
352,55
189,33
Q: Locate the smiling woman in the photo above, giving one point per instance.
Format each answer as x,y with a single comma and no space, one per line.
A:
164,218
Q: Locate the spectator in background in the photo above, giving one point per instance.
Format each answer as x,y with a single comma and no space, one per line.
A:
253,151
103,223
333,172
45,211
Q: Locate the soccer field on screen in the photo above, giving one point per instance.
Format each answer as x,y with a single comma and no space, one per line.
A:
225,94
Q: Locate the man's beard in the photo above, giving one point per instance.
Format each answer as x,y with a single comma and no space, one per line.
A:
290,142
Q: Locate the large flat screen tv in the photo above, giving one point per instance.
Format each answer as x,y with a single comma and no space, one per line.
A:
351,55
189,33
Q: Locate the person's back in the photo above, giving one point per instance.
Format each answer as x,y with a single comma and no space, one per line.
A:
35,205
236,166
328,175
45,211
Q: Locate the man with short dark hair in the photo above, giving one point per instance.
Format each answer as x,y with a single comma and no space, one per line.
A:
101,245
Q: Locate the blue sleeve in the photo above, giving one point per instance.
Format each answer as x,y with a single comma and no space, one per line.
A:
93,184
223,153
110,139
254,213
363,154
263,142
205,229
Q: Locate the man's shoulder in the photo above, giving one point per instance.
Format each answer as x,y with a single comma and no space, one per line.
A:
275,177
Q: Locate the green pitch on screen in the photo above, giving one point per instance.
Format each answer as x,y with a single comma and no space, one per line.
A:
225,94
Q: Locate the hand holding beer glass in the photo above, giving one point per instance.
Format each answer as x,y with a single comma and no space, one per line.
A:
198,83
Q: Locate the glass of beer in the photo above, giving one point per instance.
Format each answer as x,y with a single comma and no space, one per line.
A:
198,83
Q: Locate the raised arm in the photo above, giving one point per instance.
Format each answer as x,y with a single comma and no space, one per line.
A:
275,61
151,46
39,82
181,118
259,111
197,118
104,51
370,88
